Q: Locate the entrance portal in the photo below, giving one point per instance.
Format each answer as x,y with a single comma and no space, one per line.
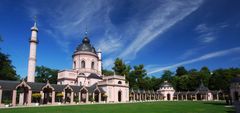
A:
168,96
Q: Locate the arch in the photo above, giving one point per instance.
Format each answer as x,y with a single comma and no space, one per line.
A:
119,82
92,65
96,95
83,64
119,96
68,87
168,96
22,93
23,83
47,94
83,94
68,93
48,86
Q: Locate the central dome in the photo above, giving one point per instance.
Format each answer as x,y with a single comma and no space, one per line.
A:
85,46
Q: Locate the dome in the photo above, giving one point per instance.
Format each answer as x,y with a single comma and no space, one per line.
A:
166,84
85,46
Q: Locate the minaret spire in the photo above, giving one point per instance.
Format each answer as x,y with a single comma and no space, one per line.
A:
32,54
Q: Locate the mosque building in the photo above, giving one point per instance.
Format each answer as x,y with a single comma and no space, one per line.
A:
85,83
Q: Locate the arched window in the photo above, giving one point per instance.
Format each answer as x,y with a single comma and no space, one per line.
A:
74,65
119,82
92,65
83,64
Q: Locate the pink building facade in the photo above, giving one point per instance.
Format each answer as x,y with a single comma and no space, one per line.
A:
87,71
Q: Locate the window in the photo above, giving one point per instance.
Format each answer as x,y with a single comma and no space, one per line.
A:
74,65
92,65
119,82
83,64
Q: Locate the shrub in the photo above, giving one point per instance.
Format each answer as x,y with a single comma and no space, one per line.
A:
6,101
36,96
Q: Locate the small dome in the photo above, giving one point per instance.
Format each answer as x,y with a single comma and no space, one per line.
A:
166,84
85,46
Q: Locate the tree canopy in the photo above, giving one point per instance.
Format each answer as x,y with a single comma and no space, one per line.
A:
7,70
45,74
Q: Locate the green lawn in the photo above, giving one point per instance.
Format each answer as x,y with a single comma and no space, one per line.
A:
149,107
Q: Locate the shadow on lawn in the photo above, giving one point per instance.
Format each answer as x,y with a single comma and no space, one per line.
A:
230,110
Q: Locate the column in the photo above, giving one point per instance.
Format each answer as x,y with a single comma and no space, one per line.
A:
133,97
42,96
0,96
53,97
140,95
93,96
177,96
186,97
14,95
87,97
217,96
99,97
63,98
195,97
71,101
79,97
29,100
145,97
21,99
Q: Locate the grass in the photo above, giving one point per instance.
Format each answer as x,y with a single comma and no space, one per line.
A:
148,107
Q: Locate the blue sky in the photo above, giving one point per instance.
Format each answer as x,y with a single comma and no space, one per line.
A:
161,34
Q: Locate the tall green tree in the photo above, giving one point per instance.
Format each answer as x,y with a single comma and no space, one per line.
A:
205,75
120,68
181,71
139,73
7,70
45,74
167,75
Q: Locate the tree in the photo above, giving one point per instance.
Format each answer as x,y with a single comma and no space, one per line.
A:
205,75
7,70
181,71
45,74
120,68
107,72
139,74
167,75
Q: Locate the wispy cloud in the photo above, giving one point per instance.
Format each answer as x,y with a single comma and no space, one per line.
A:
206,33
158,22
201,58
67,20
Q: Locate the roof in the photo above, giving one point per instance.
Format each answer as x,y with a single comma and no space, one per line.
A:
36,86
202,88
166,84
8,85
95,76
86,46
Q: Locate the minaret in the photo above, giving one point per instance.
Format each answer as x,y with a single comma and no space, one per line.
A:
99,54
32,55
